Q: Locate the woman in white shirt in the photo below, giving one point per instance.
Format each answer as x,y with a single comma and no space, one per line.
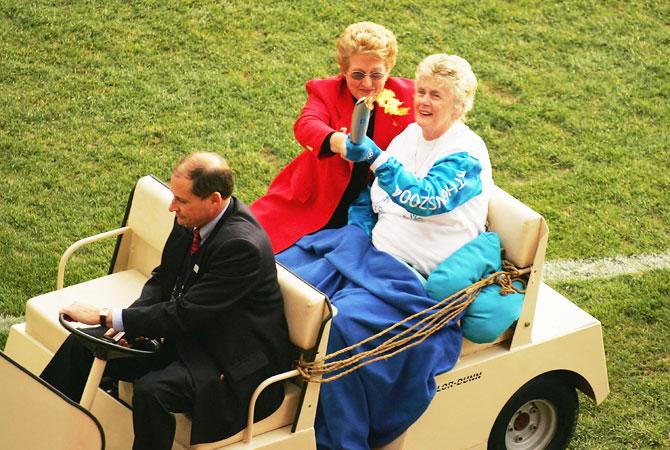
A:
432,185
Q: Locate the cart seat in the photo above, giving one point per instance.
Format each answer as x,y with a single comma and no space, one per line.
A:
140,240
116,290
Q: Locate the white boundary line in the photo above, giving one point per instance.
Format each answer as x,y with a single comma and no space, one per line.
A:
579,269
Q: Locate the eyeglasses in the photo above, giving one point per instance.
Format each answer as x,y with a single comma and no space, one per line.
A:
374,76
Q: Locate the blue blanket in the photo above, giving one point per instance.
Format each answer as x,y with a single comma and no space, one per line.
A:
371,290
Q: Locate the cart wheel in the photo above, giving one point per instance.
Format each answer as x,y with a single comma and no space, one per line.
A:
540,415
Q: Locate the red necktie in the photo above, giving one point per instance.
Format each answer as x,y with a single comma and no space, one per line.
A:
195,245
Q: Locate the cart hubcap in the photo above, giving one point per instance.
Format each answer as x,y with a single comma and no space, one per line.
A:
532,426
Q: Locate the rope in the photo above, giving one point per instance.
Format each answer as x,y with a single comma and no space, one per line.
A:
434,318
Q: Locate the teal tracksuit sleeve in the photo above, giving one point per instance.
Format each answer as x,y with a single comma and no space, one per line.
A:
452,181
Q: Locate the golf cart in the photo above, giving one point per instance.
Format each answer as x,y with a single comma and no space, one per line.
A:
517,393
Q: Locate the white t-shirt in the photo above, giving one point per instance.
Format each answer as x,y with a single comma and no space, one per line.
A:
425,241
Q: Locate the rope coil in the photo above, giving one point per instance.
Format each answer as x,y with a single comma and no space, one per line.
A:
435,318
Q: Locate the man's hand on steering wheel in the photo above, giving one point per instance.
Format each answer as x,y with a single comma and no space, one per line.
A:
82,313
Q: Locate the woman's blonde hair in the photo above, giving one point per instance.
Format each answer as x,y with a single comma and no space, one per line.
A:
453,72
366,38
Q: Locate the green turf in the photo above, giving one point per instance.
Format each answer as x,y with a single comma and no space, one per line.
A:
573,104
635,314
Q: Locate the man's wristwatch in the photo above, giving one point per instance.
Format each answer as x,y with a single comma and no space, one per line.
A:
104,313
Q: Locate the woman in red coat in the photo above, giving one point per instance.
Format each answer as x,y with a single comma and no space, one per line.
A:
315,190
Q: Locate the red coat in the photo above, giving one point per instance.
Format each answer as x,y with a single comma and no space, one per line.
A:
304,195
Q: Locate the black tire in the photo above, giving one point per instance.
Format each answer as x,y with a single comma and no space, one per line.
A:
542,414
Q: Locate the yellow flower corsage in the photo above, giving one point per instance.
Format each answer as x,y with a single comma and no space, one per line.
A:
387,100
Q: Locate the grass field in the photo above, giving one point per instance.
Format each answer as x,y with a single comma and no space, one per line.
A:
573,105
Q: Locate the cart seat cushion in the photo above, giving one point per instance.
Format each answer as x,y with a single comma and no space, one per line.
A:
491,313
117,290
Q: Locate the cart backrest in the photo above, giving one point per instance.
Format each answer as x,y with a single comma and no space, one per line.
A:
305,309
523,234
148,217
518,226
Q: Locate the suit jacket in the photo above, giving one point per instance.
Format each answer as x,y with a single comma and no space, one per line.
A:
230,320
304,195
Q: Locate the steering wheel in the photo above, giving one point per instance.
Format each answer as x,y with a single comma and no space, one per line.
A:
104,348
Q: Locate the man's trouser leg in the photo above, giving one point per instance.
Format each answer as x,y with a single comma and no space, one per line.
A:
156,396
68,369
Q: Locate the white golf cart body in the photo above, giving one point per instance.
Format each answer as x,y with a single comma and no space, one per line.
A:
553,340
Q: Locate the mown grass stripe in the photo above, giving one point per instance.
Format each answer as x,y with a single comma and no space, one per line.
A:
575,270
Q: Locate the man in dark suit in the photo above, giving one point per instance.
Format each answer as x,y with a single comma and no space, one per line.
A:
215,302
